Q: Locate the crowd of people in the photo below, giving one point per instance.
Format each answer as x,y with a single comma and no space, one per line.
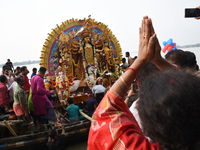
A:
32,100
154,104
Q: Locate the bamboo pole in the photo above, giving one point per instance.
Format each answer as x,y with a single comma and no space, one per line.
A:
9,128
86,116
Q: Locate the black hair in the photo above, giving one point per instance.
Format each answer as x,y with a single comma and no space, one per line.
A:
147,71
18,68
5,66
42,70
123,60
127,53
178,57
2,78
191,59
34,69
23,68
8,59
19,77
197,67
70,100
52,134
169,110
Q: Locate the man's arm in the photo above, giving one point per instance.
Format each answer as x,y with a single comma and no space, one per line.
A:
13,67
40,89
62,126
130,93
49,139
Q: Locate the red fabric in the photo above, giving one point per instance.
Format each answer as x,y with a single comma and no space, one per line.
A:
26,85
3,94
114,127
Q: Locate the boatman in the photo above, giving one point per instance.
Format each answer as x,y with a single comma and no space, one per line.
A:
56,142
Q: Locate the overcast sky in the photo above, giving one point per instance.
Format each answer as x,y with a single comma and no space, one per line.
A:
24,24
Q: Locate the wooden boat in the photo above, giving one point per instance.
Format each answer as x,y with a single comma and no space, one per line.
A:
34,139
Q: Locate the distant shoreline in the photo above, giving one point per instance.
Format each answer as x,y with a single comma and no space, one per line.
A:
38,61
189,46
15,64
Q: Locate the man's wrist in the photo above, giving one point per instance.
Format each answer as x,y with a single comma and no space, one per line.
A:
128,97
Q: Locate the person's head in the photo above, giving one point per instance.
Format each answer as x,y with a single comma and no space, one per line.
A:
3,79
123,60
177,57
42,71
4,66
91,95
127,54
99,80
70,100
6,71
191,59
24,70
20,80
18,70
147,71
87,39
53,134
34,70
169,109
8,60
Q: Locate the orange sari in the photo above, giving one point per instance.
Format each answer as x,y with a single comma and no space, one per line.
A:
114,127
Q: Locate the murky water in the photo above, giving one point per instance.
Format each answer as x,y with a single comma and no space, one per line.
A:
78,146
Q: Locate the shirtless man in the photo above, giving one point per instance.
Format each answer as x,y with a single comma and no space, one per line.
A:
129,58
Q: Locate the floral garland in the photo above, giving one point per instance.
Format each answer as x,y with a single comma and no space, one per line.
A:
90,85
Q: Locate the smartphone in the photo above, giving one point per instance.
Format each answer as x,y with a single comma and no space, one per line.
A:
192,12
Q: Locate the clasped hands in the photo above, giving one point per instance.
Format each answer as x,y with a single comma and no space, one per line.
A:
149,47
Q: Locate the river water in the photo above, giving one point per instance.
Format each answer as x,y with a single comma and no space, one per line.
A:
78,146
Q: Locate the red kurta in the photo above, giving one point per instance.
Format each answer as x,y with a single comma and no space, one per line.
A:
3,94
26,85
113,127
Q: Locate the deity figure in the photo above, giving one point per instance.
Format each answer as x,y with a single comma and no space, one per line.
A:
88,51
65,55
61,83
77,59
98,47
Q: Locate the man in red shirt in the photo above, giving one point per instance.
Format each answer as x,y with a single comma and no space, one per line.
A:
4,100
24,72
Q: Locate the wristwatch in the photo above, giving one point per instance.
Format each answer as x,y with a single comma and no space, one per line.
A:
128,97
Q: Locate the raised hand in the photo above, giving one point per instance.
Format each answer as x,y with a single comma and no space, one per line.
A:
147,41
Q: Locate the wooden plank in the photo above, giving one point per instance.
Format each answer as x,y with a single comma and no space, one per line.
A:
9,128
10,122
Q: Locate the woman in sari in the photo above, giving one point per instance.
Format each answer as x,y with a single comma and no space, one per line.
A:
169,120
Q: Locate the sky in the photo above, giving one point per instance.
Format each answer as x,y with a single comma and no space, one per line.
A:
24,24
